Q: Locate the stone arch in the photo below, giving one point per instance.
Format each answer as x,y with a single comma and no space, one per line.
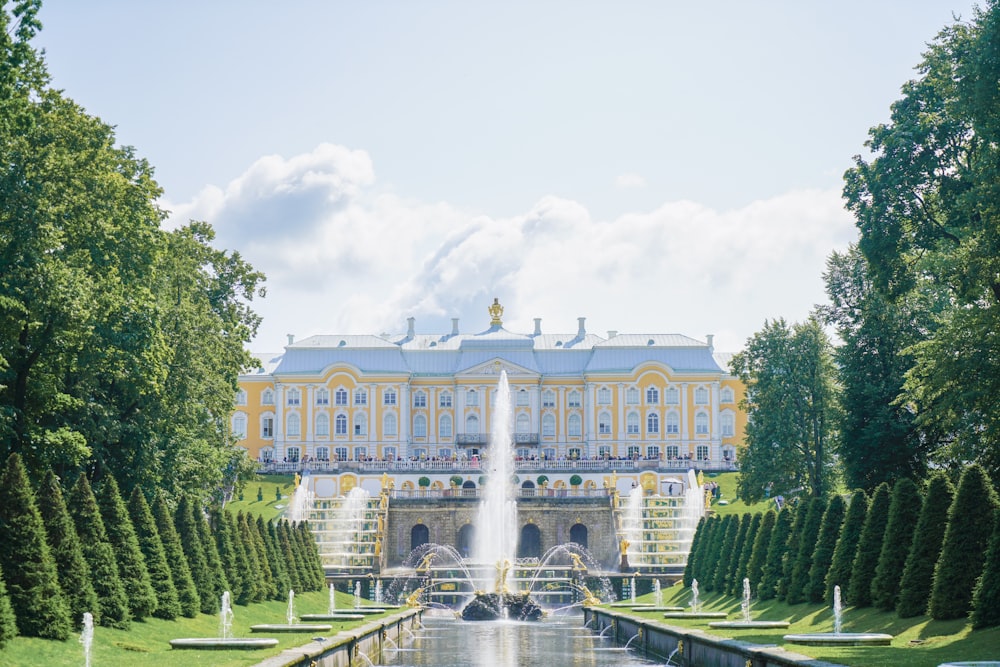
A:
578,533
530,543
419,536
466,539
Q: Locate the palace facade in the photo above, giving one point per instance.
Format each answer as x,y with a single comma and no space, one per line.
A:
427,397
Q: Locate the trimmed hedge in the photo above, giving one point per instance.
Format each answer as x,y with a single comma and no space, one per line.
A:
847,544
904,512
918,573
986,598
826,543
869,548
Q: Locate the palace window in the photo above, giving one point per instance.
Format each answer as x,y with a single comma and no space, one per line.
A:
548,399
389,453
653,452
574,453
322,424
360,424
420,400
673,423
632,423
340,396
522,398
294,397
267,398
444,452
267,426
549,454
340,424
267,454
360,453
322,397
573,400
671,396
575,426
523,424
420,426
389,424
604,396
341,453
323,453
673,452
444,400
241,397
293,454
604,452
548,426
634,451
389,397
727,395
701,396
653,423
444,426
701,423
701,453
472,425
293,425
240,426
652,396
604,423
472,398
360,397
727,423
632,396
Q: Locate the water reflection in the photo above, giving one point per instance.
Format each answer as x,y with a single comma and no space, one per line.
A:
562,642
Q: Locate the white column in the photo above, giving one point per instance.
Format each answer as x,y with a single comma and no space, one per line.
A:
621,411
432,417
562,414
310,400
714,429
279,412
590,409
685,431
404,413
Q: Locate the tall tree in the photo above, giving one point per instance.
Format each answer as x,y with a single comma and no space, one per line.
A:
869,548
8,623
746,551
167,605
986,597
173,549
826,544
904,512
798,582
918,573
776,551
186,520
755,567
131,562
847,544
791,406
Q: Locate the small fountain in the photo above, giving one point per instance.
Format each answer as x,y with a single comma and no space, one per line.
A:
301,502
837,637
695,609
331,612
291,625
747,623
87,637
225,640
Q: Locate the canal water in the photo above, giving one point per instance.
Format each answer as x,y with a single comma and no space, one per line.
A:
553,642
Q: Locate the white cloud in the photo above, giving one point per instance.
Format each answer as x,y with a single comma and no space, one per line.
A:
630,180
342,257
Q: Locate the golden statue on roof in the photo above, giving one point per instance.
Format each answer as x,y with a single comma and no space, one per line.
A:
496,312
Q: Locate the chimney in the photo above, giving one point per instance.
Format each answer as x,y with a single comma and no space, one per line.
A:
291,338
583,329
708,339
612,333
538,326
409,326
454,326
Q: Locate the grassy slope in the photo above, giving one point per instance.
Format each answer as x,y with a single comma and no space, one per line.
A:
270,507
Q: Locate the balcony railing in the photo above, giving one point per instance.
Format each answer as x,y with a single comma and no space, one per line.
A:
519,493
473,465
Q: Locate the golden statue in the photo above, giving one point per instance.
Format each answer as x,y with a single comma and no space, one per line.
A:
381,523
413,599
496,312
624,545
298,478
378,547
425,563
503,567
589,599
577,563
614,480
385,481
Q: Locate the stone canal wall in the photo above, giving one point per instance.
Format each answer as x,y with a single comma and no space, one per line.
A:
687,647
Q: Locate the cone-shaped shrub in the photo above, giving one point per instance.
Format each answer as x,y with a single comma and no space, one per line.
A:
131,563
755,568
847,544
732,560
305,558
918,575
227,551
187,529
807,546
904,512
311,552
702,556
252,581
826,542
792,549
746,549
180,571
36,597
74,573
100,555
986,597
269,588
282,582
8,624
970,524
167,605
869,548
291,558
256,592
219,582
689,566
727,536
776,550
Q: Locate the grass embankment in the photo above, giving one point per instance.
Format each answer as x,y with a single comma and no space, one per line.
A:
147,643
918,642
727,502
270,506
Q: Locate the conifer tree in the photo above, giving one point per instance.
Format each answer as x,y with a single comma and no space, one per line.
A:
278,563
308,578
8,624
256,592
167,605
173,549
746,550
869,548
74,573
918,574
970,523
847,544
699,533
792,549
252,582
755,568
904,512
826,542
187,530
312,554
30,574
227,552
986,597
291,558
730,552
218,576
703,555
268,583
726,535
776,550
131,563
802,564
100,556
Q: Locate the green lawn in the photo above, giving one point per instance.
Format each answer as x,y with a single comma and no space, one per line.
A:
727,503
270,506
918,642
147,643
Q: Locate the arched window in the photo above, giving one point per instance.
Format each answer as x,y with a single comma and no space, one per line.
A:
548,399
294,397
673,423
523,423
444,426
360,424
573,400
522,397
267,398
267,425
652,396
701,452
673,452
727,395
472,424
671,396
322,396
360,397
240,425
472,397
293,425
340,427
323,453
389,397
444,399
389,424
578,534
241,397
574,425
419,536
420,399
701,423
632,423
727,423
340,396
653,423
466,538
322,424
632,396
604,423
530,544
548,425
293,454
604,396
701,396
420,426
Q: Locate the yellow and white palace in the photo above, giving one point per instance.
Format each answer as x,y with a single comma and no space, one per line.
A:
426,397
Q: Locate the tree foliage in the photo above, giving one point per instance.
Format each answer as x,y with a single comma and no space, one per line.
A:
847,544
167,604
904,512
869,548
791,408
918,573
173,549
826,544
131,562
986,597
774,562
801,558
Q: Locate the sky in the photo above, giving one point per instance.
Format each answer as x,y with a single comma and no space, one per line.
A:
654,167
